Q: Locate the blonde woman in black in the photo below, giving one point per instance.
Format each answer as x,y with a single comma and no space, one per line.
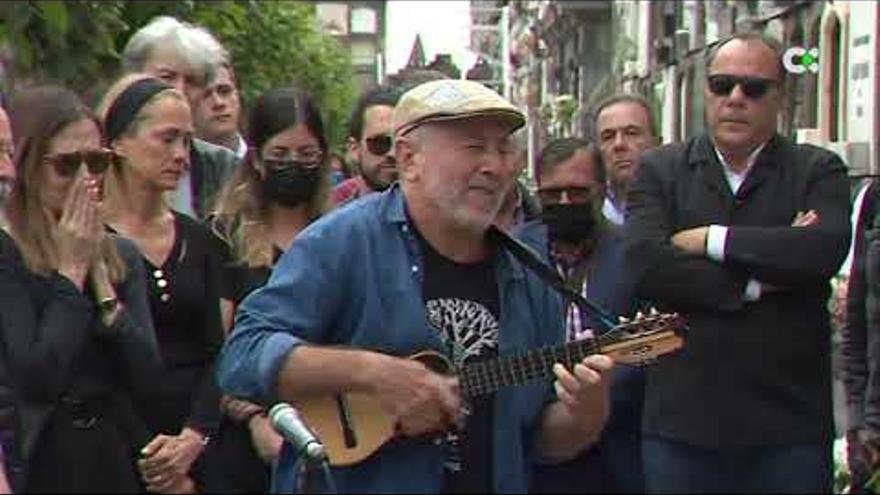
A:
149,126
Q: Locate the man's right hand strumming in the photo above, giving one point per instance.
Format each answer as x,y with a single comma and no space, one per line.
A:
421,401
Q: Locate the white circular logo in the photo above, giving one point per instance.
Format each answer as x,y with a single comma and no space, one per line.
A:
799,60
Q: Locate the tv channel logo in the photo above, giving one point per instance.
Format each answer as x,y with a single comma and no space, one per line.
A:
799,60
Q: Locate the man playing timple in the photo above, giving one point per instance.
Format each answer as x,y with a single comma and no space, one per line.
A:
411,269
369,146
624,129
587,251
739,231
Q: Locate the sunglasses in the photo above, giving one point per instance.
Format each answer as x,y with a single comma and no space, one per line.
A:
574,194
379,145
67,164
752,87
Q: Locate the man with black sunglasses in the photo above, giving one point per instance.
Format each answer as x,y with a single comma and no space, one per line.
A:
370,146
740,230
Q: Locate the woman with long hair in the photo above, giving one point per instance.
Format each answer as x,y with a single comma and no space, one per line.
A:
281,186
77,338
149,126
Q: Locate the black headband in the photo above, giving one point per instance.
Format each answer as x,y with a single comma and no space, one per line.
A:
127,105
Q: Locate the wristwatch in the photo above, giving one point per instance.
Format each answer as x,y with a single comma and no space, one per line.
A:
108,304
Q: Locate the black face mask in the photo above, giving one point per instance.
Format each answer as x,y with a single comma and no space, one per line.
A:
290,186
570,223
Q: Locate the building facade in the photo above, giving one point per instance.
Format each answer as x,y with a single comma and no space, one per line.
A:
360,25
559,64
565,56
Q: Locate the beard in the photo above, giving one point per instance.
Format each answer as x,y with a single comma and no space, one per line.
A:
460,211
372,178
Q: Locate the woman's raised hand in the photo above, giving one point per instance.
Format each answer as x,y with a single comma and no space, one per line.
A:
80,230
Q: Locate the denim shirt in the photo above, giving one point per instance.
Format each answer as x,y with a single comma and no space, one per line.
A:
354,277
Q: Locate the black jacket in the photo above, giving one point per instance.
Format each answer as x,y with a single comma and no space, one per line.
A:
751,373
860,349
55,347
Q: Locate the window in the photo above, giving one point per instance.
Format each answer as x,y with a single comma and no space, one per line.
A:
333,17
363,20
831,61
696,99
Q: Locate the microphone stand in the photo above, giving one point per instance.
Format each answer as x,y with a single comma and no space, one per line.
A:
315,458
302,465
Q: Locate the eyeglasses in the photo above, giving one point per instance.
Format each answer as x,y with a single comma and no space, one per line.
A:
752,87
379,145
553,195
67,164
306,159
285,163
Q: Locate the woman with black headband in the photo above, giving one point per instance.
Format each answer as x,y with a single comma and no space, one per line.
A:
77,339
149,126
279,189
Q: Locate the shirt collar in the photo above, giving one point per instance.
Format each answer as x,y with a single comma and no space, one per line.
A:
394,211
751,160
242,148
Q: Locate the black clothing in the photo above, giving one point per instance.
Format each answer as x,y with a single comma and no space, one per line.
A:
233,445
465,315
237,279
751,374
860,348
75,378
183,300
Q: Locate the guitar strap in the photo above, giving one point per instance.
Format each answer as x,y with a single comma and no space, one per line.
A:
532,261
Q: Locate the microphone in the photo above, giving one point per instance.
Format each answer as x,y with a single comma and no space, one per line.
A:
286,421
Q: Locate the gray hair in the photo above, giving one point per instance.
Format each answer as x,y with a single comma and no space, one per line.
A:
199,49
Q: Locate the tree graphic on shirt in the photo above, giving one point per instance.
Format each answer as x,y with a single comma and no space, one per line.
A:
466,327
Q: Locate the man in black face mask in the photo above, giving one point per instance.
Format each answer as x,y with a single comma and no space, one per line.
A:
570,188
574,236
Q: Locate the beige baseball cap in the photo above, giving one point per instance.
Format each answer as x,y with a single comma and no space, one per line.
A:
451,99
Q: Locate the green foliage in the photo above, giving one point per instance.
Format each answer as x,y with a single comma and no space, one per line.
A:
277,43
78,43
70,43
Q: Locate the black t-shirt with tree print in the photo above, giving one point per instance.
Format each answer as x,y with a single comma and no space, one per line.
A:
462,304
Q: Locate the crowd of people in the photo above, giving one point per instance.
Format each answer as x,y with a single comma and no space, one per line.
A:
172,266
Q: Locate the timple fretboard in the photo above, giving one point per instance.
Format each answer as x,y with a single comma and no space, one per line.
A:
486,377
